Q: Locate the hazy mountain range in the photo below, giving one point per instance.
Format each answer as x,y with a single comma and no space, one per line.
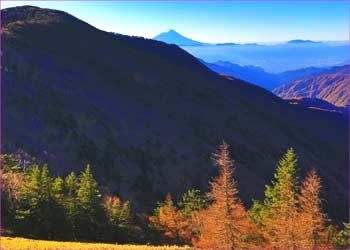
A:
300,41
259,76
273,58
173,37
146,115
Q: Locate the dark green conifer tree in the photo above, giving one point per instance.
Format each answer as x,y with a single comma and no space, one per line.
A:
71,204
191,201
276,215
90,207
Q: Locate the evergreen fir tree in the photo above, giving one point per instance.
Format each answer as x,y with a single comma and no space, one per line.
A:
91,213
71,204
59,216
30,211
191,201
278,213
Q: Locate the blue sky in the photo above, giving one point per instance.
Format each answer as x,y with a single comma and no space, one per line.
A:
213,21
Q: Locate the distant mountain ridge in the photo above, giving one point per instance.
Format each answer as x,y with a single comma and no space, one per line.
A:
173,37
333,86
227,44
259,76
300,41
273,57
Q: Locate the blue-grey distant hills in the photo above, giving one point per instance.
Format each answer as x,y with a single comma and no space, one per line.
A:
300,41
172,37
227,44
237,44
259,76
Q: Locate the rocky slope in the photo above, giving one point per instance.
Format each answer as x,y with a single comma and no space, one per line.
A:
332,86
147,115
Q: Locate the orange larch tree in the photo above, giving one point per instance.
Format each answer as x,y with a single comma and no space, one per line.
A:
171,222
311,217
225,222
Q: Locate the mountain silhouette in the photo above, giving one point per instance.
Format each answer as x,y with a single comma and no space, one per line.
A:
172,37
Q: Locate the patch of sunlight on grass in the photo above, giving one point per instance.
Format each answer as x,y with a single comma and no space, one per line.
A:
8,243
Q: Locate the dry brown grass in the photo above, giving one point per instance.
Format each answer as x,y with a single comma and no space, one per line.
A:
8,243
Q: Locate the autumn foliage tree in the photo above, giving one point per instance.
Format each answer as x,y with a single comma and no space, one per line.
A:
119,217
342,239
12,182
118,212
311,218
169,220
225,223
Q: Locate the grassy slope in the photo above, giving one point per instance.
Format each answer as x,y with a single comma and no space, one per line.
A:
8,243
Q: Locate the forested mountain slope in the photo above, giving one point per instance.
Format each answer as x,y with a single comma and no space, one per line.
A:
147,115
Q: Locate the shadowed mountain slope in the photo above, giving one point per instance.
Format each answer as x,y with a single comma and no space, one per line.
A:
315,103
147,115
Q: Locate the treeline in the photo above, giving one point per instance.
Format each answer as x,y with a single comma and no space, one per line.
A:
37,205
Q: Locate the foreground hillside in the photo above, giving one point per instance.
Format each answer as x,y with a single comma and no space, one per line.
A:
8,243
331,86
146,115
